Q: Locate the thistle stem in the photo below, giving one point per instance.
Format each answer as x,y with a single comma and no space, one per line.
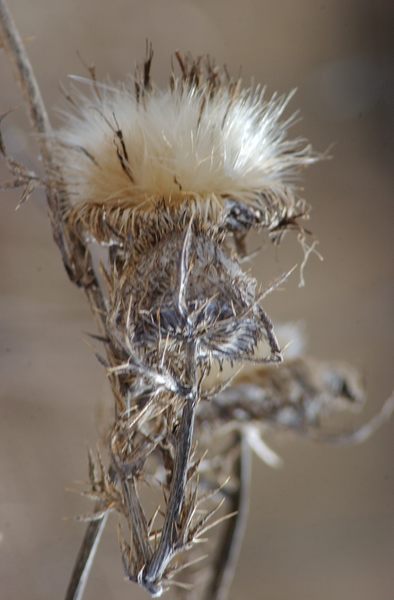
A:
168,541
230,547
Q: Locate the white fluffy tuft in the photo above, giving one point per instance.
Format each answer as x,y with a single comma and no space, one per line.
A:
186,141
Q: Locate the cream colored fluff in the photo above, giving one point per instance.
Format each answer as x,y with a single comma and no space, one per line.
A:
180,142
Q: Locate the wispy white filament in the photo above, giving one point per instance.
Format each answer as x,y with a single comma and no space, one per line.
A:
181,142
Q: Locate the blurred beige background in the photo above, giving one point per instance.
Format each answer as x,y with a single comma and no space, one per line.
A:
323,526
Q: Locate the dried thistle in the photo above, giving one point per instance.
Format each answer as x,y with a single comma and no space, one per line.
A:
170,183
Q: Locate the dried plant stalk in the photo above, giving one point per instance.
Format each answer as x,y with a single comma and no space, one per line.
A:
171,183
85,559
230,546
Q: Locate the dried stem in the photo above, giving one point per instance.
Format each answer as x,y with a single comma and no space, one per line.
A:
85,558
361,434
76,258
168,541
14,47
230,547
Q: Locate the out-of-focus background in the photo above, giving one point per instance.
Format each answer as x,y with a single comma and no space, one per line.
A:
322,527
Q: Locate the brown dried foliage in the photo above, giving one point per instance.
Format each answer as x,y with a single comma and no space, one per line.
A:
175,307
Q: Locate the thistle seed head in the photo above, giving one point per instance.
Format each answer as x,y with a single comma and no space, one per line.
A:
205,141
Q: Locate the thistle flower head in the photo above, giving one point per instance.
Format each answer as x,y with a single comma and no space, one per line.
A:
204,139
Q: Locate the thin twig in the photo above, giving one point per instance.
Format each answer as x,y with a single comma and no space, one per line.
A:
361,434
230,547
15,49
85,558
76,258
